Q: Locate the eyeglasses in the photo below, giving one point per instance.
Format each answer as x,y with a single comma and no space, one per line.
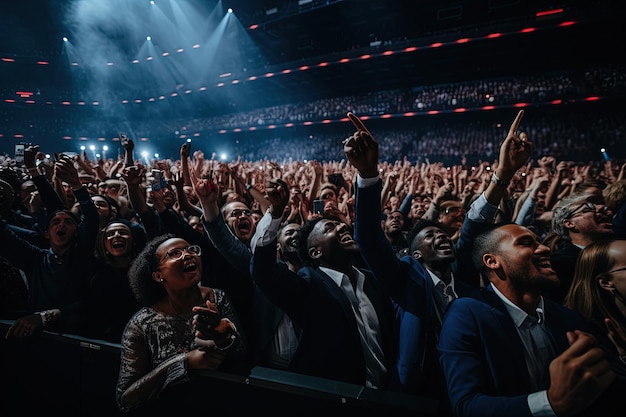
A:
454,210
617,270
111,233
239,212
99,203
587,207
177,254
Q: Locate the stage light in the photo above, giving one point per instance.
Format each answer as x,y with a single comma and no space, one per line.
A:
604,154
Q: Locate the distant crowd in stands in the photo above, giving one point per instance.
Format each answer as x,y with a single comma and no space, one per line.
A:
195,263
565,135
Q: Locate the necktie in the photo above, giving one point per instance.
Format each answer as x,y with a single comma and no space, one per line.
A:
448,294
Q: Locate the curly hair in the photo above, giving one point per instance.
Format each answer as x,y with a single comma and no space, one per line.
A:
147,290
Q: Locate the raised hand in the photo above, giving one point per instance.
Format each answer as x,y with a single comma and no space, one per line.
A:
361,149
185,150
65,170
515,150
30,156
133,175
207,192
126,143
277,193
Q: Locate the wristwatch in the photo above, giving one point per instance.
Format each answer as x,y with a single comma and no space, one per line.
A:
46,317
497,181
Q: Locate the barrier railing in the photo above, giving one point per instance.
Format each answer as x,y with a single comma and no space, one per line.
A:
77,376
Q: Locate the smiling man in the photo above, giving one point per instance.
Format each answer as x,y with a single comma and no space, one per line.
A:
512,352
238,217
579,219
329,299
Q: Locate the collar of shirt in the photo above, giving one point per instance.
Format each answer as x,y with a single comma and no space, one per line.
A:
338,277
517,314
437,280
54,259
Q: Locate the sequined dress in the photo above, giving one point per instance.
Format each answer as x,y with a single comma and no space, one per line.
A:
153,353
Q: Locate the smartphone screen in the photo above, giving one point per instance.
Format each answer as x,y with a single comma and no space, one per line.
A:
318,206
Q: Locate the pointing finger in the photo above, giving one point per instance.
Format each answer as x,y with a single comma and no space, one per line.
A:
358,123
516,123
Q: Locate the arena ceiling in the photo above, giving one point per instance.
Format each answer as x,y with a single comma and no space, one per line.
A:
280,51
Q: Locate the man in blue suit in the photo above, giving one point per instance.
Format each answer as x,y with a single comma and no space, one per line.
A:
418,282
510,351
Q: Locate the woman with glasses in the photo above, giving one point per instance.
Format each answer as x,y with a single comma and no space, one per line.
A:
598,291
182,326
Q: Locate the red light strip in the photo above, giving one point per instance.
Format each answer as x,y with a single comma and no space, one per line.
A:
548,12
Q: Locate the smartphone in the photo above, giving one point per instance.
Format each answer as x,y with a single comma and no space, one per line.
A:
158,180
318,206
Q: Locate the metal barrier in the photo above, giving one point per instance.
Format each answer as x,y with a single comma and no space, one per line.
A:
77,376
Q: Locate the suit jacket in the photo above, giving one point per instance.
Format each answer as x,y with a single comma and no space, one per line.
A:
483,358
330,346
411,288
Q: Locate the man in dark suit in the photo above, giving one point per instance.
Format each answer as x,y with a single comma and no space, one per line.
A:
342,312
423,283
513,352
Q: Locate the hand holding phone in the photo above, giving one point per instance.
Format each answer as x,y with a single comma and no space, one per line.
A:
318,206
158,180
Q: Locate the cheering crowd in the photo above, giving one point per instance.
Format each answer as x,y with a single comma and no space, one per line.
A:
497,288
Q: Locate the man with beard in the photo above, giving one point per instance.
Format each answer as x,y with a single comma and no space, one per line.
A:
393,228
512,352
342,313
288,246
